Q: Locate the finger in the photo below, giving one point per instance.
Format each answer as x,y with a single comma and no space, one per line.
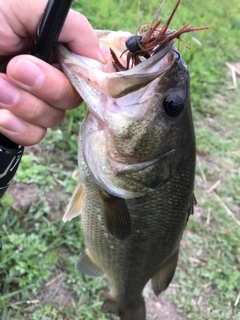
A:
44,81
27,106
19,24
81,38
20,131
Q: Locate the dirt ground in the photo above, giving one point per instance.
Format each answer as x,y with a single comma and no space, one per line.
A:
158,308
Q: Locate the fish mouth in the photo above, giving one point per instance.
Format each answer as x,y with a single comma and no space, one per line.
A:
105,79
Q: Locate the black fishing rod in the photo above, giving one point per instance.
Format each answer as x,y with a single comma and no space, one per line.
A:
46,37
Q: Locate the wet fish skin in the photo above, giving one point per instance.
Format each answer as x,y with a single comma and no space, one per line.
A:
131,150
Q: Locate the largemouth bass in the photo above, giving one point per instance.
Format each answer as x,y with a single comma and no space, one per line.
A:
136,164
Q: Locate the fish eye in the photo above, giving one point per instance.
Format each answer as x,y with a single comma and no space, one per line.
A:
173,104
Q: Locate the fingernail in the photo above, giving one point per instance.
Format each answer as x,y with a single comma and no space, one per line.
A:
8,93
28,73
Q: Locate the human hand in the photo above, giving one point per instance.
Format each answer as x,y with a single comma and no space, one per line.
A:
33,94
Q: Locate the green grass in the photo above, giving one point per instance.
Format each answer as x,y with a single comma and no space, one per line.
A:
38,247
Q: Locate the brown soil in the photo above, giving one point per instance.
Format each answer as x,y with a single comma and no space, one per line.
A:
23,195
53,292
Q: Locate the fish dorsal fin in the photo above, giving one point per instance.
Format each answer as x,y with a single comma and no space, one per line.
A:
161,279
87,266
116,215
75,205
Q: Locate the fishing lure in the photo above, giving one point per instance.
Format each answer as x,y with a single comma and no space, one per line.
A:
150,38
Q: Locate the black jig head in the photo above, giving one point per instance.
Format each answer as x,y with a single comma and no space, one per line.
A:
132,43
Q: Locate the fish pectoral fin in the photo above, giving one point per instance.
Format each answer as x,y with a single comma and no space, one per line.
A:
75,205
161,279
116,215
88,267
